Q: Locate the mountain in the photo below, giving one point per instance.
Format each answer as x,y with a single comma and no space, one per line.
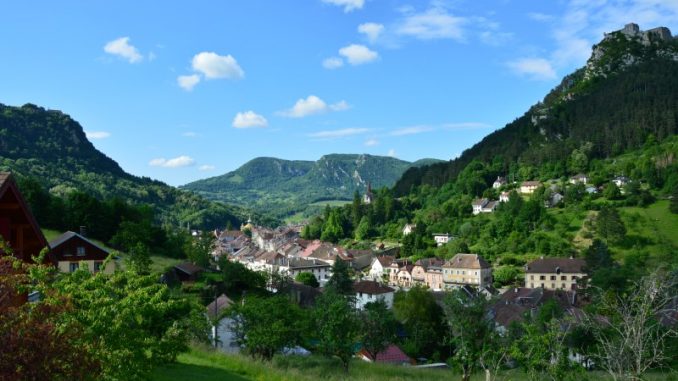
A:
625,96
51,147
286,186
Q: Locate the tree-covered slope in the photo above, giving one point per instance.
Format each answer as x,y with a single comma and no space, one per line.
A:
287,186
627,92
51,147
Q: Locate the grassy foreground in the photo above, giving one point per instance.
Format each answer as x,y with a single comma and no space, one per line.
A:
203,364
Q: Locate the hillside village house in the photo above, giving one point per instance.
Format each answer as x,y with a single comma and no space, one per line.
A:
295,266
221,335
19,231
504,197
400,274
368,291
555,273
499,182
579,179
442,239
528,187
483,205
380,267
428,272
467,269
73,251
409,228
621,181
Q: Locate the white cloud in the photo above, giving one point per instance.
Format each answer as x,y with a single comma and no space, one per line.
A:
312,105
190,134
434,23
534,68
333,134
541,17
358,54
371,142
411,130
97,134
121,47
371,30
391,153
177,162
206,167
349,5
333,63
187,82
214,66
249,119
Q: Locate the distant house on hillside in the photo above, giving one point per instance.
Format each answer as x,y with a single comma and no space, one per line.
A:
221,335
504,197
621,181
467,269
442,238
429,272
368,291
579,179
528,187
555,273
187,272
483,205
499,182
73,251
409,228
380,267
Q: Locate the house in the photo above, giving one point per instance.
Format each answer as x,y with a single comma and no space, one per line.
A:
621,181
504,197
72,251
442,238
428,272
404,276
483,205
295,266
555,273
466,269
380,267
391,355
369,196
528,187
591,189
409,228
554,200
187,272
360,259
367,291
222,336
20,232
499,182
579,179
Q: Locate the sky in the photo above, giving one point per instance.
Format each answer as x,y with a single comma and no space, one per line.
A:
180,91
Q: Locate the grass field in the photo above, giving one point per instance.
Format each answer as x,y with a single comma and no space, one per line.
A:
202,364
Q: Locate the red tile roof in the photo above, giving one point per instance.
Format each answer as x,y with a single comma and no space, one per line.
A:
391,355
371,287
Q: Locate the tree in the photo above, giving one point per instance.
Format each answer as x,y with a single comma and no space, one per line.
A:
333,229
265,326
631,337
423,320
362,232
336,327
139,259
236,277
377,327
308,279
673,206
609,224
598,256
340,281
198,249
611,192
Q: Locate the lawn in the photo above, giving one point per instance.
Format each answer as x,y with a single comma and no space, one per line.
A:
202,364
654,229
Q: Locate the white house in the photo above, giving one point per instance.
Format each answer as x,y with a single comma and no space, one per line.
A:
441,238
295,266
483,205
380,267
621,181
409,228
579,178
499,182
222,336
528,187
367,291
504,197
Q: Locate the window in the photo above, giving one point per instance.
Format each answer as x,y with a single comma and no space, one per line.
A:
97,266
542,285
553,285
531,285
73,266
563,277
81,251
553,277
531,277
564,287
541,277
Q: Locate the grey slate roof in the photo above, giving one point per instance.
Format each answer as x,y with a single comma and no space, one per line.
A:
68,235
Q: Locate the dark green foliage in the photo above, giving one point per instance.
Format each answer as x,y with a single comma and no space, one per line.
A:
340,282
609,224
264,326
673,205
235,277
422,318
336,327
598,256
377,327
308,279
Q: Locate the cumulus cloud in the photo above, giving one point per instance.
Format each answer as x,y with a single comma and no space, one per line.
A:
371,30
312,105
97,134
349,5
249,119
122,48
358,54
214,66
206,167
333,63
391,153
434,23
177,162
534,68
333,134
187,82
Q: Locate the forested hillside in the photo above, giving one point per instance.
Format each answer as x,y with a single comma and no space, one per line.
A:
284,187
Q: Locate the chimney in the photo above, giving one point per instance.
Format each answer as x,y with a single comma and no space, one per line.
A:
83,231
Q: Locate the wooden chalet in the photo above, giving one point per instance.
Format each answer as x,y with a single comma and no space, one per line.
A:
72,251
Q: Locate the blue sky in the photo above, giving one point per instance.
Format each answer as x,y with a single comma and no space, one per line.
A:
185,90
